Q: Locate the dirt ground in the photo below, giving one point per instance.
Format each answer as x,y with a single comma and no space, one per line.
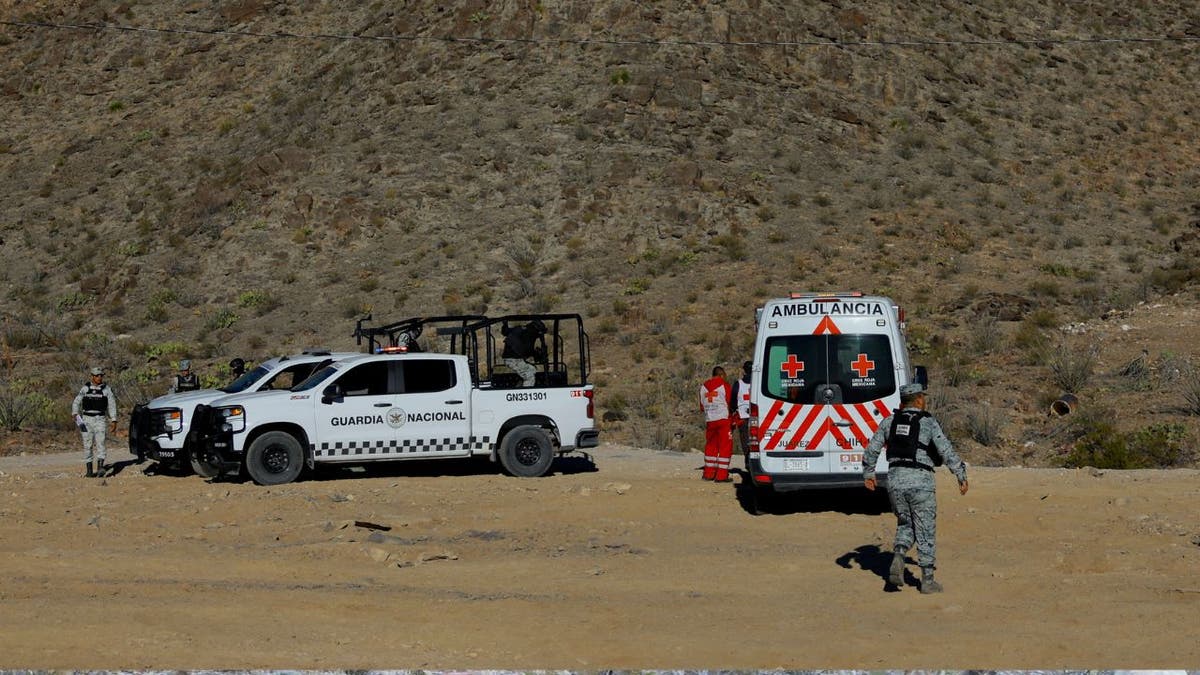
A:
624,560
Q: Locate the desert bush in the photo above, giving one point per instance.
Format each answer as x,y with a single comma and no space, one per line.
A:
1070,369
220,319
17,407
983,423
986,335
137,386
1161,445
1191,392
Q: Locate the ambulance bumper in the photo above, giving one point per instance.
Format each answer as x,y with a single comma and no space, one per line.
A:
793,482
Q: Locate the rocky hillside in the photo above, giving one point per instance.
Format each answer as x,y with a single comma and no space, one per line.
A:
243,177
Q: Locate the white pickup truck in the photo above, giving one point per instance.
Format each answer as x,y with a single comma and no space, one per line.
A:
409,405
157,430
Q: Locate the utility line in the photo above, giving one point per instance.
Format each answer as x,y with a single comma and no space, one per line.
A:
1183,39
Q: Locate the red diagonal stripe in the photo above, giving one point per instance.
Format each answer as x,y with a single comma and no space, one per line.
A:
837,435
784,425
804,426
866,415
766,423
853,425
820,435
882,407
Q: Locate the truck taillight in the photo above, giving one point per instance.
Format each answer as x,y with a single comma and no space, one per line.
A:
591,409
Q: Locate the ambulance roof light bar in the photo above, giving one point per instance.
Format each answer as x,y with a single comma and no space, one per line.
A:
825,296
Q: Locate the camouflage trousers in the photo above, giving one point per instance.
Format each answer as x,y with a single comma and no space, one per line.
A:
96,429
914,501
523,368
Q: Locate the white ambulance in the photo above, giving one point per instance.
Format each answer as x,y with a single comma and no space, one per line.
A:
827,373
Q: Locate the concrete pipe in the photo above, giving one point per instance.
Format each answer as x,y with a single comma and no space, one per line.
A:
1064,405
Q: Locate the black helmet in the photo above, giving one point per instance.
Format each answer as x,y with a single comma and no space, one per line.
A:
237,365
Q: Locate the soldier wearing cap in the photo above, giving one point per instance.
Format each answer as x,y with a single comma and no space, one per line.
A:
186,380
915,445
94,401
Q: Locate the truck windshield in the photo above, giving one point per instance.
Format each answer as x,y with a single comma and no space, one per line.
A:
797,367
316,378
243,383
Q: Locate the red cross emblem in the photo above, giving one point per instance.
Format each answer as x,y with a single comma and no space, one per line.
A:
792,366
863,365
711,395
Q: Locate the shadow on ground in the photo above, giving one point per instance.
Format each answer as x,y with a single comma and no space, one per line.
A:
871,558
566,465
850,501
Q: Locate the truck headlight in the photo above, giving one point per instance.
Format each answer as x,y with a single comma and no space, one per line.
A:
173,421
234,418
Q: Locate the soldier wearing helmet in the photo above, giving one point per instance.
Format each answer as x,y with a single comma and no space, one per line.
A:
92,404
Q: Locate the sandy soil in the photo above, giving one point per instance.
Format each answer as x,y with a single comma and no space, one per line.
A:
625,561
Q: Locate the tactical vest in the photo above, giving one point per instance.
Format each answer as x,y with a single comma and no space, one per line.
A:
95,400
904,439
189,382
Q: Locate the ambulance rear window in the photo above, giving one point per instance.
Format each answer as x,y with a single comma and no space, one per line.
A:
797,367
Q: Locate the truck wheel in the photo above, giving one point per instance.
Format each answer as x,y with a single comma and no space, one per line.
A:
201,466
527,452
274,458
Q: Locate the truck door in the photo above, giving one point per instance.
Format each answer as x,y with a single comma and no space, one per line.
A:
434,407
358,425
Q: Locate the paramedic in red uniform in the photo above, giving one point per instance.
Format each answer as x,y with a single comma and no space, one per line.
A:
718,442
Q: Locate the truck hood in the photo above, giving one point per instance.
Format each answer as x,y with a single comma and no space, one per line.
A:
251,397
186,400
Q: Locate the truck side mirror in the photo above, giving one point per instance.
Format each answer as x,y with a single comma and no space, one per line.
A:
332,393
921,376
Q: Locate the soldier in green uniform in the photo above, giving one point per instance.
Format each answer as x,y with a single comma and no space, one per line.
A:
916,445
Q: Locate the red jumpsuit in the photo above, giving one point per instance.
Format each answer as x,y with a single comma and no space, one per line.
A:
718,442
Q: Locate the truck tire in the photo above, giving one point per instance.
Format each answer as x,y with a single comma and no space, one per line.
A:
274,458
527,452
201,466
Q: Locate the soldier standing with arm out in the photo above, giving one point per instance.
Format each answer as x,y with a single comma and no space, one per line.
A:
916,445
94,401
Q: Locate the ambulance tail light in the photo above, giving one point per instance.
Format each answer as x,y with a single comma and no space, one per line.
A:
591,406
753,422
762,478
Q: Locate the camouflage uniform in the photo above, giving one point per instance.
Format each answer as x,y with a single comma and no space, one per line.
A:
912,490
92,404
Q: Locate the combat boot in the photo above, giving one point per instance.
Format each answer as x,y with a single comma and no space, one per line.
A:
90,473
100,468
928,585
896,571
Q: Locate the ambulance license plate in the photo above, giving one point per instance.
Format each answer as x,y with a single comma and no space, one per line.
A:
795,465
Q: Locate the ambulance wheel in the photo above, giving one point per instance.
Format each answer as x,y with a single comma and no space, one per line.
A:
274,458
527,452
762,500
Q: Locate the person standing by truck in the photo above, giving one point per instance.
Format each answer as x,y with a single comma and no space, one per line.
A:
718,444
185,380
92,404
916,445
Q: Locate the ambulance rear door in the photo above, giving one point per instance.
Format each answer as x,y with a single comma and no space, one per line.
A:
826,388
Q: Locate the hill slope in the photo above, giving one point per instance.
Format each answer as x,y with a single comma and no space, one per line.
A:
217,194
